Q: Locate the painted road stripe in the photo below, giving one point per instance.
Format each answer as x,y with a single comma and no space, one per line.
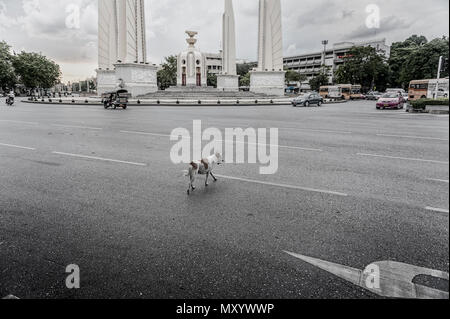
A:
10,297
438,210
222,141
414,137
145,133
404,158
318,131
307,189
19,122
80,127
299,148
438,180
99,158
17,146
396,280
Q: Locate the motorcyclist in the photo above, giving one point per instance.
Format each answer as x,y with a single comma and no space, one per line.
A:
11,97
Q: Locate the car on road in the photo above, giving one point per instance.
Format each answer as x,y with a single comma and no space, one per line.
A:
373,96
405,96
391,101
395,90
307,100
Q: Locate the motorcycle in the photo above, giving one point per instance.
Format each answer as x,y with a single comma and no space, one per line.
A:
10,101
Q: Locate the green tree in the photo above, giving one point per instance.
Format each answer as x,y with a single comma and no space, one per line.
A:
244,80
244,68
365,66
423,61
293,76
167,76
212,80
36,71
320,80
400,53
7,74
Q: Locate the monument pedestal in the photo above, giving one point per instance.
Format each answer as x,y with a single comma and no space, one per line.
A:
268,82
228,83
106,81
139,79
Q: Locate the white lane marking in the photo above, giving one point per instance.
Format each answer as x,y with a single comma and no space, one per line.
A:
414,137
19,122
385,278
18,146
76,126
98,158
404,158
313,130
145,133
10,297
437,210
307,189
438,180
222,141
298,148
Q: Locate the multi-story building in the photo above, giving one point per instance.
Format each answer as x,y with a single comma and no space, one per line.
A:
310,64
214,63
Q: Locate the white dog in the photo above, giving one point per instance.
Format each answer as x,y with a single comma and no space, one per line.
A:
203,167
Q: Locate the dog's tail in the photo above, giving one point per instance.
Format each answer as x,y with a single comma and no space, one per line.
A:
185,173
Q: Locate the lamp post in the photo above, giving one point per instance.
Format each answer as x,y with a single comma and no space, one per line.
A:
324,54
436,93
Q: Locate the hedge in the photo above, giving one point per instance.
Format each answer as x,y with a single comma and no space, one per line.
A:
423,103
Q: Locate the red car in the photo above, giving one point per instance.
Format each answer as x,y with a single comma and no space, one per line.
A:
391,101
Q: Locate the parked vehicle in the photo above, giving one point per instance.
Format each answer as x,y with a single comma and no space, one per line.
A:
350,92
330,92
323,91
391,101
394,90
405,96
308,100
373,96
426,89
116,99
342,91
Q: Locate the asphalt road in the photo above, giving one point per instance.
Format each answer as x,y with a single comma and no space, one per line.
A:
355,186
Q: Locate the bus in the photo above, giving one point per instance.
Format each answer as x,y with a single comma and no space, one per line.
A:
426,89
351,92
341,91
330,92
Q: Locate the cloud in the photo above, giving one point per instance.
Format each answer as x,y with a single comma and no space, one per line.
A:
39,25
387,25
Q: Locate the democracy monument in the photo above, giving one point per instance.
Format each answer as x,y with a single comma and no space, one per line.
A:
122,53
122,50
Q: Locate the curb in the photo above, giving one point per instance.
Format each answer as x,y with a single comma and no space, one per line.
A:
174,103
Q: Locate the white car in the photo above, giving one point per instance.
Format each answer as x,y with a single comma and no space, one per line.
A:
405,97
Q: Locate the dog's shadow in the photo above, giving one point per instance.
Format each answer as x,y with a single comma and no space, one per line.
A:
207,193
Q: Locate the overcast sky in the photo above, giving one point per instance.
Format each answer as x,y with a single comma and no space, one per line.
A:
40,25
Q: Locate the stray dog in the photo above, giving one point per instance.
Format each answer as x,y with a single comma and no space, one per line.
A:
203,167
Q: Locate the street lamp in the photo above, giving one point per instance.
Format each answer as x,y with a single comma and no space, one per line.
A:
324,43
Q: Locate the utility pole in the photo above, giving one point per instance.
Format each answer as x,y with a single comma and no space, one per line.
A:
324,55
438,78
